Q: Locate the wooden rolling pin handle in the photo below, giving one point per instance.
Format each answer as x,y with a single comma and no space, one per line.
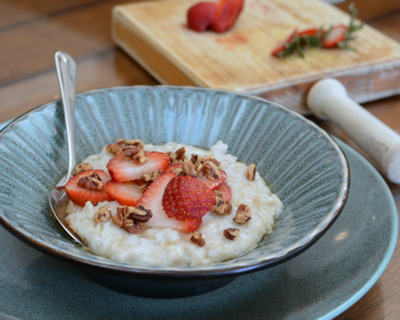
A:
328,99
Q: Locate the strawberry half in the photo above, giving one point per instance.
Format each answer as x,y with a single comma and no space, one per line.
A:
80,195
200,15
126,193
186,198
122,168
336,35
227,13
225,191
152,199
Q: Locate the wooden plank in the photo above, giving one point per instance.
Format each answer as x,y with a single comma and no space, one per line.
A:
79,33
369,9
240,59
109,69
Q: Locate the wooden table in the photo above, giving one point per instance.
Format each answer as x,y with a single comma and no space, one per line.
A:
32,31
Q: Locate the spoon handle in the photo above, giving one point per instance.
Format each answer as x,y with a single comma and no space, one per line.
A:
66,72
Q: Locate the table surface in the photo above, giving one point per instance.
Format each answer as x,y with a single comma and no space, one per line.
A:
32,31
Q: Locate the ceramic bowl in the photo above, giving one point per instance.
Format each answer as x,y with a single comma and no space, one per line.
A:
298,160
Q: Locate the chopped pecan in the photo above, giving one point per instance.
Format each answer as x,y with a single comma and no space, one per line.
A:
243,214
81,168
172,157
91,181
251,172
221,207
211,171
224,209
195,158
197,239
189,169
180,154
121,145
231,233
147,179
138,156
139,214
103,214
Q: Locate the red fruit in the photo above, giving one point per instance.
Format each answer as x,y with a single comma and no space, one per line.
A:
336,35
187,198
227,13
152,199
126,193
282,46
225,191
122,168
213,184
200,15
308,32
80,195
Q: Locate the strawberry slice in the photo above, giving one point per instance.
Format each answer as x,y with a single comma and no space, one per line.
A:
186,198
336,35
126,193
213,184
152,199
283,45
200,15
79,195
227,13
225,190
122,168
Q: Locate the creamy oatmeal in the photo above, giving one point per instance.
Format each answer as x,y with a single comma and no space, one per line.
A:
219,237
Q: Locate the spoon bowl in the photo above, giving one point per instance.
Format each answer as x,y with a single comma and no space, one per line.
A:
58,200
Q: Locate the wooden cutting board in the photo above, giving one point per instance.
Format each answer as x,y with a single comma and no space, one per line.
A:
155,34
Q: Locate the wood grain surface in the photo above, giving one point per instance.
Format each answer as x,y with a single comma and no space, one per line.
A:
31,32
240,59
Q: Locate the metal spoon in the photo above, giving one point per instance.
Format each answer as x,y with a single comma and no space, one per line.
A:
58,199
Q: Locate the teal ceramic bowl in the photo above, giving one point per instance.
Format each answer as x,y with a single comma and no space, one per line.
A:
300,162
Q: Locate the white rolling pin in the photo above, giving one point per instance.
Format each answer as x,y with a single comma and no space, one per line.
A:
328,99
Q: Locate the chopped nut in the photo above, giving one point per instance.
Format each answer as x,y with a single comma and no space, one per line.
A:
231,233
81,168
103,214
224,209
138,156
189,169
194,158
197,239
148,179
172,156
91,181
122,145
211,171
243,214
221,207
180,154
251,172
139,214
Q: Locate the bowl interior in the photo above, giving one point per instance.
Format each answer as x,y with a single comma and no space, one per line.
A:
300,162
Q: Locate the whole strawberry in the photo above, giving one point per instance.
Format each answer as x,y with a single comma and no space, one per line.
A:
186,198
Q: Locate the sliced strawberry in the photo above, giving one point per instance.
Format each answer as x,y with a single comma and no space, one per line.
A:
174,166
336,35
283,45
152,199
123,169
308,32
126,193
227,13
213,184
225,190
186,198
80,195
200,15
